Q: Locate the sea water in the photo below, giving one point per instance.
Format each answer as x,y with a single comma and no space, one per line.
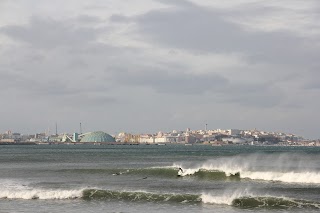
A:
143,178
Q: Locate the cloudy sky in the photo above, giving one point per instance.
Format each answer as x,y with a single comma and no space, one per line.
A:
144,66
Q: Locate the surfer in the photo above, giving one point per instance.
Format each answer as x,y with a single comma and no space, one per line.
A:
120,173
117,173
180,172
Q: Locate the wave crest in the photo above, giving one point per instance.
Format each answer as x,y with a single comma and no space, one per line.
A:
238,199
40,194
284,167
273,203
89,194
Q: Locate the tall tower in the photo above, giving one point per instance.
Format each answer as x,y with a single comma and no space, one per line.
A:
56,129
205,128
80,128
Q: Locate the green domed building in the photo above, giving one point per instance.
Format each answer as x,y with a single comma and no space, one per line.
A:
97,137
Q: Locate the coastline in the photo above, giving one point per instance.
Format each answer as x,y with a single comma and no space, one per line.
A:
154,144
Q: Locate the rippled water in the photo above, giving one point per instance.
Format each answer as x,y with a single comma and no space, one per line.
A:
143,178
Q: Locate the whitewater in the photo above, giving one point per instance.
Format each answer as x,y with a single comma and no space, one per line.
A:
284,168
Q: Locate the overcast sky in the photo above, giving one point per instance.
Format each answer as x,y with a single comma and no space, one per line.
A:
144,66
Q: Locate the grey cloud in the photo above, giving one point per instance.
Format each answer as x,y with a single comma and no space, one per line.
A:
48,33
196,28
83,77
88,19
119,18
99,100
27,85
56,75
311,79
171,82
55,91
177,3
265,98
312,84
7,79
211,86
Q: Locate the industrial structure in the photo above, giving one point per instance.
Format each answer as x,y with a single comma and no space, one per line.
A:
90,137
97,137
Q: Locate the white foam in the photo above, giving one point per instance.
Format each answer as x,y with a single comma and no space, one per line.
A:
187,171
40,194
17,189
247,172
276,168
289,177
226,198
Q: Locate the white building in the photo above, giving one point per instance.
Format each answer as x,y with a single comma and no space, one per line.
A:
234,131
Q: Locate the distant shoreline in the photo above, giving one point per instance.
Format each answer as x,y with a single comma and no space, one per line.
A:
146,144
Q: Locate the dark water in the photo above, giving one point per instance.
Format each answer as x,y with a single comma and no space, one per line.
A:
143,178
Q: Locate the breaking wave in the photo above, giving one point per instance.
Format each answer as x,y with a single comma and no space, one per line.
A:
247,200
240,199
273,203
215,170
232,168
89,194
284,168
41,194
289,177
162,172
10,189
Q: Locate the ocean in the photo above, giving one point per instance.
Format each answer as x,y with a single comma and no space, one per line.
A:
143,178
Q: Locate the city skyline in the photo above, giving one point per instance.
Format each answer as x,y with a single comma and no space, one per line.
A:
227,131
203,136
145,66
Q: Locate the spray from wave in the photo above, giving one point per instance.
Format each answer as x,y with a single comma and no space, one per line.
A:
225,198
248,200
41,194
21,190
273,167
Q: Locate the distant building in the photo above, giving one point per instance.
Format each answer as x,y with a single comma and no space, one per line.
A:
236,140
234,132
97,137
190,139
147,138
